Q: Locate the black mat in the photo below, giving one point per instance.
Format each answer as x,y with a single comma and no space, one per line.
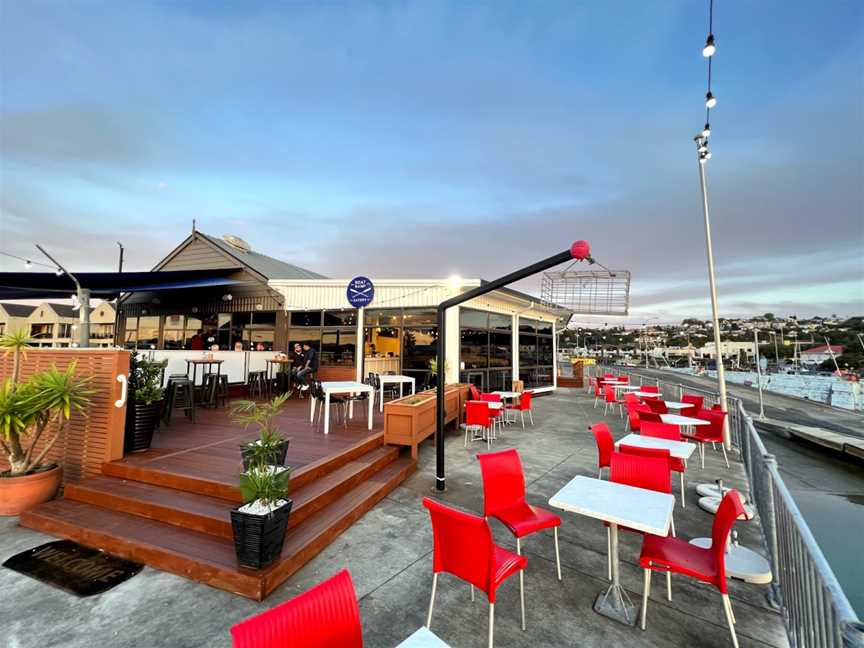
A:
73,568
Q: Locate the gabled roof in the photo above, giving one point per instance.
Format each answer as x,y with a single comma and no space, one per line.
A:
261,263
835,348
17,310
63,310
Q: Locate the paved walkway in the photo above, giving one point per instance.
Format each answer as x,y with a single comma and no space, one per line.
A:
389,555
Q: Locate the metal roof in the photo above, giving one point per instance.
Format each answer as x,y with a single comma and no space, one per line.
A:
261,263
17,310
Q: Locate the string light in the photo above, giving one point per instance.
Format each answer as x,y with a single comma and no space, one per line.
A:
710,47
29,263
710,100
706,132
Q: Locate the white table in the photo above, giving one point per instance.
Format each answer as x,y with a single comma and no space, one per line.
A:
675,405
682,421
644,394
511,396
423,638
677,449
636,508
343,387
391,379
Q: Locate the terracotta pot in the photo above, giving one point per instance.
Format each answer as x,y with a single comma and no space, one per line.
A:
18,494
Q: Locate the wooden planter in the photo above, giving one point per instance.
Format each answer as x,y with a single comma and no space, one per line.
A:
409,420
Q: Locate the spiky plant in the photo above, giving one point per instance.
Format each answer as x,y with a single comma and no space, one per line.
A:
30,409
265,485
263,415
16,343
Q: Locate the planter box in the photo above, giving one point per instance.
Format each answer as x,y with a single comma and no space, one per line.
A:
141,422
409,420
258,539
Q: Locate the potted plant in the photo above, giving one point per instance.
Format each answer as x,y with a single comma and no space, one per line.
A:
145,403
259,525
270,448
34,410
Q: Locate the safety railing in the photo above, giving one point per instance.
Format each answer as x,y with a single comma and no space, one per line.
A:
804,588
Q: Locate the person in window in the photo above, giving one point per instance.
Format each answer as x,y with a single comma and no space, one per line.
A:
196,342
309,366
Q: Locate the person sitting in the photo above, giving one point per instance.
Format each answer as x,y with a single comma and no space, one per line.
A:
308,368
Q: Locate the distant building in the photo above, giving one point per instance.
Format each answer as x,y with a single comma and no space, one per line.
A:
818,355
13,317
56,325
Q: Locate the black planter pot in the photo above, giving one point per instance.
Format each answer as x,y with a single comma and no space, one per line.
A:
141,421
277,458
258,539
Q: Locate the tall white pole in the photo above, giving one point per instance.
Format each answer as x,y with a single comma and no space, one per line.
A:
712,285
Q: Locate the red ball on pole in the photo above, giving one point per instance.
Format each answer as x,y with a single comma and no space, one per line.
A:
580,250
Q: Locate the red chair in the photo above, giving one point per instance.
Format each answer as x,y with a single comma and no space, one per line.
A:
605,446
650,473
478,418
656,405
322,617
598,391
524,405
676,464
504,499
624,379
712,433
473,392
660,430
462,546
652,389
632,405
609,399
693,399
707,565
496,414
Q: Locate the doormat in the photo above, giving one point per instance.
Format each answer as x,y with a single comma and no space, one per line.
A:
72,567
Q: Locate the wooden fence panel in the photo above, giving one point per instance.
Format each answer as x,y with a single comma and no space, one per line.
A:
96,436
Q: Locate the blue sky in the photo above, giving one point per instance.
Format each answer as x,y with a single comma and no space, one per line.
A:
430,138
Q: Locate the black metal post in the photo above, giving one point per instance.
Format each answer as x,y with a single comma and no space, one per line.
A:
487,287
117,301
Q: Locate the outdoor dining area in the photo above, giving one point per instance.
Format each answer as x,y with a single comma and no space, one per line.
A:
528,539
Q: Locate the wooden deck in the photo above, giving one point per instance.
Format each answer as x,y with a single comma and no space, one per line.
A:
169,507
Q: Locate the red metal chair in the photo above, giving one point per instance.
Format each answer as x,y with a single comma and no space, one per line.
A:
693,399
712,433
632,405
473,392
675,463
645,414
478,418
463,546
496,414
524,405
660,430
322,617
656,405
609,399
653,389
707,565
650,473
605,446
624,379
504,499
598,391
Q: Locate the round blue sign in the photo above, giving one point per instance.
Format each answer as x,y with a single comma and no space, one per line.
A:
360,292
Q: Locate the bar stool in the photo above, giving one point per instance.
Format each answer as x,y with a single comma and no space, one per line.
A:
179,394
215,389
257,383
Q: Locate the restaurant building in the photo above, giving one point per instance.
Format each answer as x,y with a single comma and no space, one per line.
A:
492,340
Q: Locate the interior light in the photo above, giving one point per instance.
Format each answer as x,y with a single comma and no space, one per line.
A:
710,47
710,100
454,281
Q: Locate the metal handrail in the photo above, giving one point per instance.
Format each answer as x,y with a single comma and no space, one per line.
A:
805,589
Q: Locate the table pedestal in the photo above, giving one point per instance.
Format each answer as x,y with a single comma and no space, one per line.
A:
615,602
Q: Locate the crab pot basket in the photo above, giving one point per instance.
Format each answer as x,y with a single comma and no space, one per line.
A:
587,292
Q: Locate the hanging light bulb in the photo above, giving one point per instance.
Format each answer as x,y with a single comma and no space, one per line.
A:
703,147
58,272
710,100
710,47
28,263
706,132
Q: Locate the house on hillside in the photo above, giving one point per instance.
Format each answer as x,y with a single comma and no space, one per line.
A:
818,355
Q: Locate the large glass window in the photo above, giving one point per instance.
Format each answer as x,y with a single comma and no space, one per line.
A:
148,332
536,352
383,317
101,331
382,342
130,340
65,331
419,347
261,332
338,347
485,349
172,333
41,331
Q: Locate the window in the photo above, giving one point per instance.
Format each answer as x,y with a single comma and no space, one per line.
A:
332,332
338,347
306,318
383,317
347,317
381,342
130,340
148,332
485,348
102,331
419,346
172,334
262,332
41,331
65,331
536,352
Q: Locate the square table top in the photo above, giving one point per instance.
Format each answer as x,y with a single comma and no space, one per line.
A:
642,394
677,405
636,508
508,394
677,449
677,419
339,386
423,638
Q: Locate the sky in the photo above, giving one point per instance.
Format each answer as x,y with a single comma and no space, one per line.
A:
425,139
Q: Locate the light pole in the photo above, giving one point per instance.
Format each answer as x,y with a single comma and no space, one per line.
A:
83,303
702,158
117,301
758,372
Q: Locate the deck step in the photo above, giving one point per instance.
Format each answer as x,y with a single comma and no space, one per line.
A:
195,479
211,515
205,557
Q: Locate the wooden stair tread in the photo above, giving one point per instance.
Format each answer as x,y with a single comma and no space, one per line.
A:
209,558
210,514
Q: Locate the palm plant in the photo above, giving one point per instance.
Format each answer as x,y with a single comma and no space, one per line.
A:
270,443
268,487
